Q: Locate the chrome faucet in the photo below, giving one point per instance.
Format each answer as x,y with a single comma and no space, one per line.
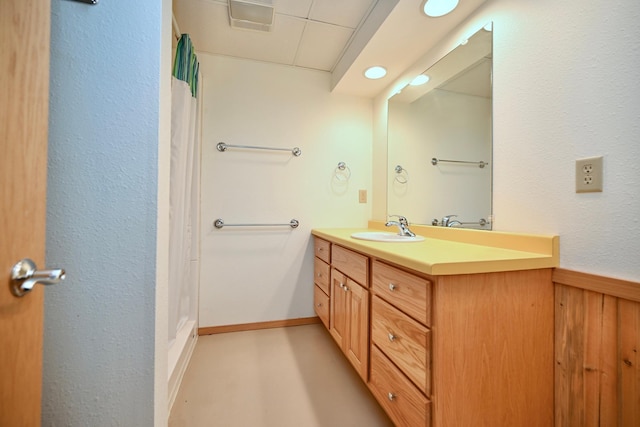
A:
403,226
448,222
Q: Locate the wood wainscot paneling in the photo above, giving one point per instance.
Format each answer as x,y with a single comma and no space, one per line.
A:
597,345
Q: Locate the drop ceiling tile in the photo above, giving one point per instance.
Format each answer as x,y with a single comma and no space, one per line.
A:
208,24
322,45
340,12
197,18
299,8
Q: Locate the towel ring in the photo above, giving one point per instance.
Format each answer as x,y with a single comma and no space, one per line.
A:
342,172
399,177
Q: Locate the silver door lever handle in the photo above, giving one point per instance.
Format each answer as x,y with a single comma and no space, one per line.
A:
25,275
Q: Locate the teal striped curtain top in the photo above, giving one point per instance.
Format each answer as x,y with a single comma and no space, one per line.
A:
186,65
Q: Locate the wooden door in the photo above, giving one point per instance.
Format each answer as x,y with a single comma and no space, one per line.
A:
24,89
357,341
338,302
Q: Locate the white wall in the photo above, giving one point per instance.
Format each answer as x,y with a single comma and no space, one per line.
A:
105,338
255,275
565,87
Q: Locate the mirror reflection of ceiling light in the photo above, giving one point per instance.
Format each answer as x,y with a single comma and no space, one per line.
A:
419,80
376,72
436,8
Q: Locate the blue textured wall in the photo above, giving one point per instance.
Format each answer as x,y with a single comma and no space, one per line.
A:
102,213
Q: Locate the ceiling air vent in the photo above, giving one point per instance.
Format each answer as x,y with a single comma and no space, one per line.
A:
256,15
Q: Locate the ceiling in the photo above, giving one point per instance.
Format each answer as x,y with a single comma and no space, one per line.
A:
342,37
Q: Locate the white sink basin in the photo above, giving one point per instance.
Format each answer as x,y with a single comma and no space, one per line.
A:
383,236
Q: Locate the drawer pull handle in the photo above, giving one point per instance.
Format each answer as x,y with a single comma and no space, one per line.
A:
392,287
345,288
342,285
319,304
392,337
391,396
319,274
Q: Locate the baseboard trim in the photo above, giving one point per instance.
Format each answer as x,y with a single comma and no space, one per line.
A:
606,285
209,330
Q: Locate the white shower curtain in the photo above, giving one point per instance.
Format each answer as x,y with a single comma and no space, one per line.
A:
183,248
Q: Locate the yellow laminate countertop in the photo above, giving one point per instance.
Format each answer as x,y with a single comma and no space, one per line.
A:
448,251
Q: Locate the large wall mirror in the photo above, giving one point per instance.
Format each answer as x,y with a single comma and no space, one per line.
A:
440,141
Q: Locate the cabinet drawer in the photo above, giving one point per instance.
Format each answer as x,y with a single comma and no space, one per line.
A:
321,305
402,401
406,342
351,263
408,292
322,249
321,275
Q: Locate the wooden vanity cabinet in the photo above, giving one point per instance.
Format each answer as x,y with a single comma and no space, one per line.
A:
492,349
478,348
341,300
401,344
349,303
446,350
321,279
321,305
404,404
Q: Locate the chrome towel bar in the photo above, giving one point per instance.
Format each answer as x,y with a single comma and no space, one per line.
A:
219,223
481,164
221,146
482,222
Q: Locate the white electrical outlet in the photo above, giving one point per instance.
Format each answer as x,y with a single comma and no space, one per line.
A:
589,175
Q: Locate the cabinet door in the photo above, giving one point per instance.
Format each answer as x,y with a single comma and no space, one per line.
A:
357,342
338,303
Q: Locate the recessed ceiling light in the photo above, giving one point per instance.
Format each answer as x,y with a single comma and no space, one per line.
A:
436,8
419,80
376,72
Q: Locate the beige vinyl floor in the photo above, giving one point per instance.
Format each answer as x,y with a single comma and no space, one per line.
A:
283,377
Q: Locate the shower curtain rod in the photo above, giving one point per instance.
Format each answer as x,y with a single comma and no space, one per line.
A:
176,29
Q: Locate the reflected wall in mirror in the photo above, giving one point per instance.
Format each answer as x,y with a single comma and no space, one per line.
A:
448,118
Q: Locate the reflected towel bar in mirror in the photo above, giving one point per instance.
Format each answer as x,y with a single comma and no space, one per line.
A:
402,175
482,222
481,164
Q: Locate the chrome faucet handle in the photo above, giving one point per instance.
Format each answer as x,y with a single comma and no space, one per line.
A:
401,219
447,219
402,224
